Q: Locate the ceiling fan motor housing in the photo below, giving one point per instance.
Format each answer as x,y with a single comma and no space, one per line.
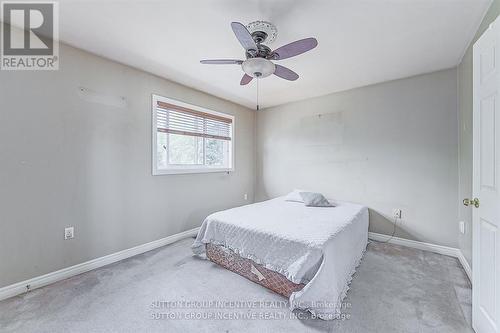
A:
262,52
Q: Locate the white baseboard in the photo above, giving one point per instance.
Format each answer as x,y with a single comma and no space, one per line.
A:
465,265
448,251
43,280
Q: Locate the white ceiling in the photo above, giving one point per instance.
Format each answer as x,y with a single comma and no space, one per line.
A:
360,42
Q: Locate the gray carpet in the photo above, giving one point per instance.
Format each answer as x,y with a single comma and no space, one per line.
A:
395,289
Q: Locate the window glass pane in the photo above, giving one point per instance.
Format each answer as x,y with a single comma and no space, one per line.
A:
185,149
216,152
200,150
161,150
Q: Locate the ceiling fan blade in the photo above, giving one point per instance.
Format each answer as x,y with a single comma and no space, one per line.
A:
245,79
295,48
222,62
285,73
243,36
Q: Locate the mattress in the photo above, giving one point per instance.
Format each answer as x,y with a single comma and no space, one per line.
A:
317,247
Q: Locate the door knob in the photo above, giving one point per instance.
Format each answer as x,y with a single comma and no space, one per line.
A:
471,202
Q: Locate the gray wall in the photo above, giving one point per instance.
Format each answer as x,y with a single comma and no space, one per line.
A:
68,162
465,121
389,145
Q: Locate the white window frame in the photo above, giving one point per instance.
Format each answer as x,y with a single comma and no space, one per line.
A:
185,169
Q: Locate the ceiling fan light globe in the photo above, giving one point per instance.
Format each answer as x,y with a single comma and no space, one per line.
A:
258,67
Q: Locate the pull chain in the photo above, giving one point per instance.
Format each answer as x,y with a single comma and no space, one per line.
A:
257,94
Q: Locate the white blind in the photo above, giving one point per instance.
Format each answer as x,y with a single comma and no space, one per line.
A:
175,119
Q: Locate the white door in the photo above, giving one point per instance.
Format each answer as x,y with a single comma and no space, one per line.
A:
486,172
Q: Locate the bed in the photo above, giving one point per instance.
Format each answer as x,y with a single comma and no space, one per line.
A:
307,254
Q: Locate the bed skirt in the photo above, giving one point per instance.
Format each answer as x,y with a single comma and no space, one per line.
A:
251,270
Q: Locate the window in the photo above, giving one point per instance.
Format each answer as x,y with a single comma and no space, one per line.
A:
190,139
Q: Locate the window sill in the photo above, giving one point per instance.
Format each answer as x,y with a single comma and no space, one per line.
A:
188,171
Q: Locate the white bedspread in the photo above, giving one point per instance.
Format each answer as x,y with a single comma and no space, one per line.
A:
320,247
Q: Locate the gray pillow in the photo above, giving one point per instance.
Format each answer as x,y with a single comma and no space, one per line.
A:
312,199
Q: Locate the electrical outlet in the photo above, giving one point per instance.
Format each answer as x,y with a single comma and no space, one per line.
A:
245,196
69,233
461,227
397,213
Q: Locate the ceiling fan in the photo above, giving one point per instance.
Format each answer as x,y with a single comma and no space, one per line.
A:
258,62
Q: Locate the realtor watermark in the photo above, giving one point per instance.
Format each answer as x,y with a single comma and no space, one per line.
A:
30,35
247,310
